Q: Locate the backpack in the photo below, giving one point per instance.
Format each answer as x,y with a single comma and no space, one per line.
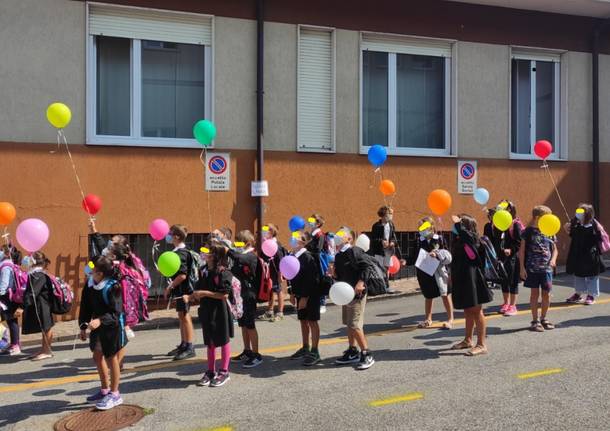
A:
604,243
234,301
63,297
374,275
517,221
20,278
194,268
493,268
264,281
134,292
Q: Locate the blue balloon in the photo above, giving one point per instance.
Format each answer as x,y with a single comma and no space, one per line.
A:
377,155
296,223
481,196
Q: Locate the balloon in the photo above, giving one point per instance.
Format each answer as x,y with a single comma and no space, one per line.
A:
549,224
269,247
158,229
7,213
32,234
363,242
439,201
543,149
394,265
290,267
296,223
502,220
92,204
387,187
168,263
481,196
377,155
59,115
205,132
341,293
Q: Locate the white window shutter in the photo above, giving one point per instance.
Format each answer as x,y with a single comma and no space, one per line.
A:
150,24
406,44
316,90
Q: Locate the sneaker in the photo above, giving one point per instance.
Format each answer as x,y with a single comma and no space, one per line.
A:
574,299
185,354
207,378
322,309
536,326
590,300
95,398
350,356
13,350
243,356
130,334
278,317
179,348
109,401
504,308
267,316
254,361
300,354
511,311
220,379
366,361
312,359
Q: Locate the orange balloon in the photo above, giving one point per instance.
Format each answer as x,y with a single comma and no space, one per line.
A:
387,187
439,201
7,213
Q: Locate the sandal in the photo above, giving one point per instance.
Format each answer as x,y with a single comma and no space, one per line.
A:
535,326
477,350
424,324
447,326
462,345
546,324
42,357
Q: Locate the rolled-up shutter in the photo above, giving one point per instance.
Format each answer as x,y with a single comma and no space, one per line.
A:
406,44
316,90
149,24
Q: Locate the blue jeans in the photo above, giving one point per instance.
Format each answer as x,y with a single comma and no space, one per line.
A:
587,285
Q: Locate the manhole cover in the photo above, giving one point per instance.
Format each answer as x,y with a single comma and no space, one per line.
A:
95,420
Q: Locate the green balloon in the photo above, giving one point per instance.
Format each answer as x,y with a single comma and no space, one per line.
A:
205,132
169,263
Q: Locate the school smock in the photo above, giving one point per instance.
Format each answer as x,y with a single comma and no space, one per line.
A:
245,267
427,283
274,263
185,287
37,303
378,236
509,240
468,283
306,282
214,314
350,265
584,258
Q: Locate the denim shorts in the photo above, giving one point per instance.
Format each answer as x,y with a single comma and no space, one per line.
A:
539,280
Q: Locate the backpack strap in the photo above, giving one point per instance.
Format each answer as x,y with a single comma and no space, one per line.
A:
106,291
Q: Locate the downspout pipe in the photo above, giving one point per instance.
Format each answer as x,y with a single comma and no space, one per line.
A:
260,160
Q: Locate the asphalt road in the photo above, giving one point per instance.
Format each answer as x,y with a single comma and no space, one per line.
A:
557,380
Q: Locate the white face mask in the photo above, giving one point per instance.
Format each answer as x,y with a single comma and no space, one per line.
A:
27,262
2,255
389,217
580,217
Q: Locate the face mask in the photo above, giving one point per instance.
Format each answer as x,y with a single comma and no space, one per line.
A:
424,234
389,217
2,255
27,262
455,230
294,243
169,239
338,240
580,217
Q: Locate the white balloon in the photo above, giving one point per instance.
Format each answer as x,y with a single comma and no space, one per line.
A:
363,242
342,293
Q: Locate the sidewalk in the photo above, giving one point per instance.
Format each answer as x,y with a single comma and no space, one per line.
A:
66,331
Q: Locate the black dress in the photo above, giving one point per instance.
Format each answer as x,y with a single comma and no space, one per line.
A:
584,258
427,283
37,304
468,283
509,240
214,314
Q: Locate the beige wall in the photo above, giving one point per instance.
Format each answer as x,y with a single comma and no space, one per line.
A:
604,108
579,105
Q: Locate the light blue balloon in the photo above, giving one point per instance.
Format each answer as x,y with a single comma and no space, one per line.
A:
481,196
377,155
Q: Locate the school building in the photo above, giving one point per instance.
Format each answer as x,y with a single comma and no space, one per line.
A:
301,90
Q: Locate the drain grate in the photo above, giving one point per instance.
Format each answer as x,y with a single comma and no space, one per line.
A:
94,420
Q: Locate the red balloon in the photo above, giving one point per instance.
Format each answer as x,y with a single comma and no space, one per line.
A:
92,204
394,265
543,149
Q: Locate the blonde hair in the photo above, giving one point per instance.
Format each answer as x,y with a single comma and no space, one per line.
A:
540,210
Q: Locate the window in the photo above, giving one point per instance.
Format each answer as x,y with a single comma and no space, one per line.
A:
149,76
406,96
535,103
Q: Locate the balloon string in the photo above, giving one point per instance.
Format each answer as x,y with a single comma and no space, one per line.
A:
6,235
62,138
548,170
204,152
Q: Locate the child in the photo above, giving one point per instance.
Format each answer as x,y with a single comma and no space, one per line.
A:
538,258
584,257
245,268
37,316
349,267
304,294
384,243
8,256
214,314
179,286
101,312
470,290
433,286
316,246
270,233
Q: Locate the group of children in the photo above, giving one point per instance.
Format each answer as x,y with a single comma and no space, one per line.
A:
226,279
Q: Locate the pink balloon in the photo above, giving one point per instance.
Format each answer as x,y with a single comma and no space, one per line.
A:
269,247
158,229
290,267
32,234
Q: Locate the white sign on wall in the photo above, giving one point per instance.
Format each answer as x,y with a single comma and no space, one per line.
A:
467,177
217,172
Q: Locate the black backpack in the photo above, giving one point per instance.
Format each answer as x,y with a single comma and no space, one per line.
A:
374,275
493,268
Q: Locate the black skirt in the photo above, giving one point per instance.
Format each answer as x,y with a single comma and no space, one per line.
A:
216,322
469,287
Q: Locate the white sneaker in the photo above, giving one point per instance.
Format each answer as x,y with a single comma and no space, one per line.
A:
130,334
322,309
14,350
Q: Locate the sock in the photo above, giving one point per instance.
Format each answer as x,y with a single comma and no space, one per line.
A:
115,394
188,346
226,357
105,391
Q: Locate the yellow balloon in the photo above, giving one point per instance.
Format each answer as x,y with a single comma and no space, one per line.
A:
59,115
549,224
502,220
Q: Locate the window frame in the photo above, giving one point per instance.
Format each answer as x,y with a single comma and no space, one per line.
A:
560,101
450,149
136,139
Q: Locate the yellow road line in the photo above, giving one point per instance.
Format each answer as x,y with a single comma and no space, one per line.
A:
279,349
540,373
398,399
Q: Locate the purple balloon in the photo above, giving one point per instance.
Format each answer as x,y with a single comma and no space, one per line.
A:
269,247
158,229
32,234
290,267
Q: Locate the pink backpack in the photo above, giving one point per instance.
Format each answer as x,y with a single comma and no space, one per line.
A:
20,278
62,295
604,243
134,293
234,301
